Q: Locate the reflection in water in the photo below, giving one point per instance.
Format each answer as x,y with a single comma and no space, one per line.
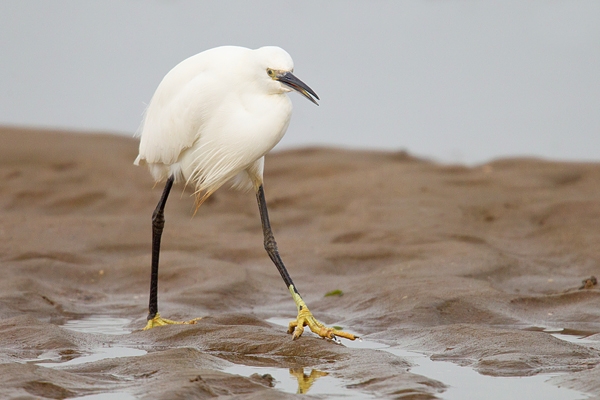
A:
294,380
305,382
465,382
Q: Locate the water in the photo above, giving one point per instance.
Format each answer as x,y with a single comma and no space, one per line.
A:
462,382
576,337
99,324
96,354
309,381
107,396
287,380
95,324
466,383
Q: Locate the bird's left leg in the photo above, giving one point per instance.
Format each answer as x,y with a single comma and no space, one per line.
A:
305,317
158,223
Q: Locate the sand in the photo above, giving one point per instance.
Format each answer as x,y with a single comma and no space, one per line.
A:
468,265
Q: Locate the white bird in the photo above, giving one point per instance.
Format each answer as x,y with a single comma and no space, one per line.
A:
212,119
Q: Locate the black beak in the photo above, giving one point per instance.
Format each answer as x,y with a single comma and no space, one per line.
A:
296,84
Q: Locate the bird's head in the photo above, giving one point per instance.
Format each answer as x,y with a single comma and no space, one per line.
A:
278,68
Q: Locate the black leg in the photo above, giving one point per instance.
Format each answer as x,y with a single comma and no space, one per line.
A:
305,317
270,244
158,223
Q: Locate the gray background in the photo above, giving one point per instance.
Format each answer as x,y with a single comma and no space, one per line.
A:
455,81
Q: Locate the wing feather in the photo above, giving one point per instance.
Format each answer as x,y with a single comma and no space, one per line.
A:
178,110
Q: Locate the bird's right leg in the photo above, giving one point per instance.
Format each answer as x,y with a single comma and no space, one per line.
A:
158,223
305,317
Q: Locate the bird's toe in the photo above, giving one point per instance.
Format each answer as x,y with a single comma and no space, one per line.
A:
305,318
159,321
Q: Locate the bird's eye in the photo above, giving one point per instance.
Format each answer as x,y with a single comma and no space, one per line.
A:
270,72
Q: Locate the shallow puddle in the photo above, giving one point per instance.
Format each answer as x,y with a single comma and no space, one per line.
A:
107,396
462,382
99,325
97,354
466,383
577,337
298,380
102,324
105,325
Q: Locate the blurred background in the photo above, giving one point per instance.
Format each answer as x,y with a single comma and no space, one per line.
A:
453,81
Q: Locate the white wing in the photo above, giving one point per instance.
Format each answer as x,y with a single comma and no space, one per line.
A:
174,118
208,123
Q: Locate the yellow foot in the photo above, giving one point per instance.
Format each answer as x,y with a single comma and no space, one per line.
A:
305,318
159,321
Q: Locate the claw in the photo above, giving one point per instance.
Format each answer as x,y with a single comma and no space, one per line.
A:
305,318
295,329
159,321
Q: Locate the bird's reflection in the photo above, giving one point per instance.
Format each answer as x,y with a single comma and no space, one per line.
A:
305,381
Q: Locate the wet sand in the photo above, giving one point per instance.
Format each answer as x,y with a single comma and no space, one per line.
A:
468,265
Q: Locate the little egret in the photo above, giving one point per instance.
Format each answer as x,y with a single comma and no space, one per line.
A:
211,121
